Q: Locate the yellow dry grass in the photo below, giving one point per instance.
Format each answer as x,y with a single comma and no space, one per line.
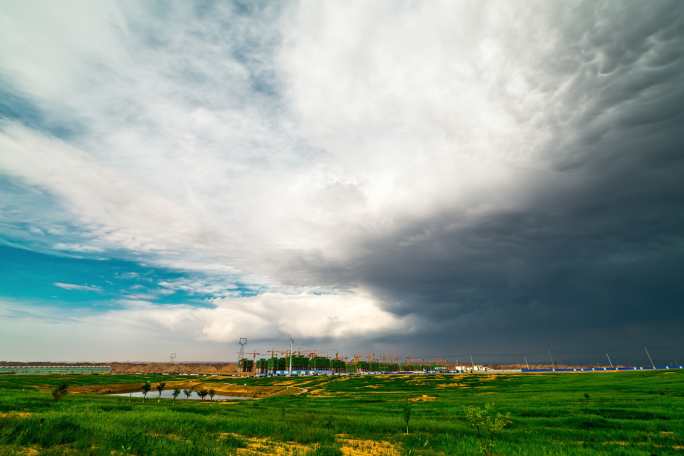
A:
264,445
422,398
14,415
451,385
348,446
360,447
616,442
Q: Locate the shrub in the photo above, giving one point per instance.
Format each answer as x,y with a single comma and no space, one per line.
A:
60,391
487,424
407,415
146,389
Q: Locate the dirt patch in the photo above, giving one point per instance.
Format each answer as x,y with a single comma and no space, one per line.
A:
360,447
321,393
117,388
247,391
225,389
175,368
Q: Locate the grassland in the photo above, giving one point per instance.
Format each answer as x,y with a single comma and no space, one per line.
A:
634,413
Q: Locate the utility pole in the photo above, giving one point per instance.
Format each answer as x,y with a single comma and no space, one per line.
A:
241,356
472,364
291,348
172,359
526,363
553,363
649,357
273,359
610,362
242,342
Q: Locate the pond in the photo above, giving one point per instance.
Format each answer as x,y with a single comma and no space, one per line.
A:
168,394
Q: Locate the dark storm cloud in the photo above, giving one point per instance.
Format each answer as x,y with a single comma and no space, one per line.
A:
597,266
594,258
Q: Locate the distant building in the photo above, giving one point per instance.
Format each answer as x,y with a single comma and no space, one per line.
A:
469,368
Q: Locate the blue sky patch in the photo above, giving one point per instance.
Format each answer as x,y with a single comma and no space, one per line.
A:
103,284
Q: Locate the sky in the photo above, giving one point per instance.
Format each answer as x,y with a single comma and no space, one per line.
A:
417,178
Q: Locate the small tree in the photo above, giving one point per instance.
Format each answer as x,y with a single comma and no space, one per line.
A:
407,416
160,387
212,393
187,392
202,393
176,393
487,424
146,389
60,391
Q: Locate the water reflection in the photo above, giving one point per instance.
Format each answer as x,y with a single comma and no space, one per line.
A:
168,394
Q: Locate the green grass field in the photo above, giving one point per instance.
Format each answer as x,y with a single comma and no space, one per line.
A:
632,413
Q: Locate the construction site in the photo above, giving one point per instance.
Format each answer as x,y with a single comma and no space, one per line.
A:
291,362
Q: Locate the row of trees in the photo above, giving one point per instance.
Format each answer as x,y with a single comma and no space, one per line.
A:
305,363
201,393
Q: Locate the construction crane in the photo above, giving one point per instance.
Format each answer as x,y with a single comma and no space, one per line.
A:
274,354
289,374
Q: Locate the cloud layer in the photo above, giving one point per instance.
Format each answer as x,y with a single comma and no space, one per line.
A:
431,177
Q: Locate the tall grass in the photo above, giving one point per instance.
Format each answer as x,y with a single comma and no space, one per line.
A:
623,413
